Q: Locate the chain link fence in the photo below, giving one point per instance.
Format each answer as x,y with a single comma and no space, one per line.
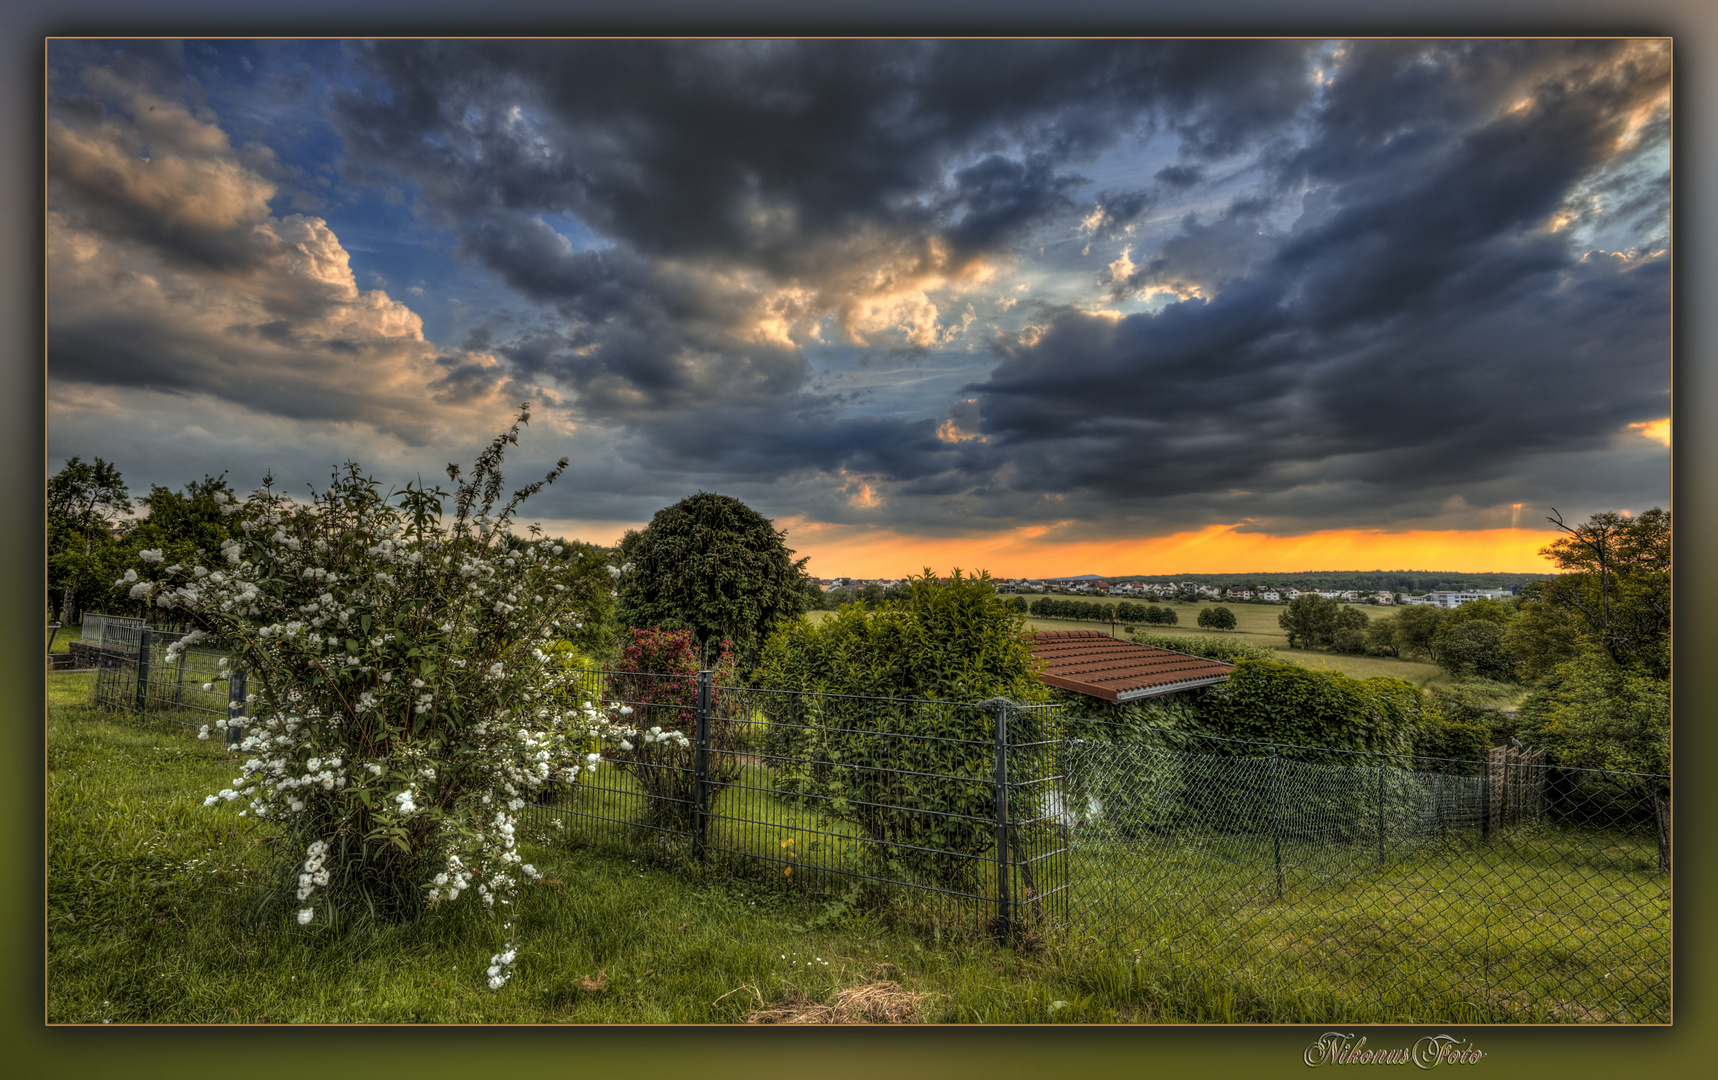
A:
1496,891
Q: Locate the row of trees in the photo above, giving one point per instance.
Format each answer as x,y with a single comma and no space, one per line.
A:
1611,604
1050,607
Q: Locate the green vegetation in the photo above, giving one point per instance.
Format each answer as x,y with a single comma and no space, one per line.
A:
87,502
1227,649
60,640
1420,674
665,768
1052,607
1270,701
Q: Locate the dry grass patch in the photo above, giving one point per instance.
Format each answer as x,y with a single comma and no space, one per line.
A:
883,1002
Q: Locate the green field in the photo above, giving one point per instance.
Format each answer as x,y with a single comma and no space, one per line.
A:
1255,622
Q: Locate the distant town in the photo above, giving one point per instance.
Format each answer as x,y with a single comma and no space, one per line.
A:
1388,589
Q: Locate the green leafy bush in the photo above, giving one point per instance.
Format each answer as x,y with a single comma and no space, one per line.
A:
945,641
1443,739
1272,701
1269,701
404,703
712,565
1309,620
1475,649
1113,770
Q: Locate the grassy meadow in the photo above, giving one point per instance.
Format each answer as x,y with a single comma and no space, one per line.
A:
158,912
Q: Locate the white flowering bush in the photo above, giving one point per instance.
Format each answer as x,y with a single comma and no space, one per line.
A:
407,698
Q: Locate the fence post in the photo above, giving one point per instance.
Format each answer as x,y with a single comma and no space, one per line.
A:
1380,811
236,694
1276,820
701,770
179,683
143,644
1485,805
1004,902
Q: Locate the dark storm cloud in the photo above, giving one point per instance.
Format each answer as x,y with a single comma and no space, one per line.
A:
1201,256
637,338
1179,177
671,147
1419,336
695,164
998,199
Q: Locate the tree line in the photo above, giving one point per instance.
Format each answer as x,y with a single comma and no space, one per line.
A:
1051,607
97,529
1407,581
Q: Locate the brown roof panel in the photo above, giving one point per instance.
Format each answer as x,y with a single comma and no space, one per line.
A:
1091,662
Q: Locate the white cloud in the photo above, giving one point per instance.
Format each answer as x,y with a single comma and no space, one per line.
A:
166,270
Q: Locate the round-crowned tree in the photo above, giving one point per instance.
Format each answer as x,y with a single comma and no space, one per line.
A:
712,565
1217,618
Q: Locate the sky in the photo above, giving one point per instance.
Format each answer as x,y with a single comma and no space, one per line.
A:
1037,307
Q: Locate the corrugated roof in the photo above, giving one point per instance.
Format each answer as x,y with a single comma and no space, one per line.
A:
1091,662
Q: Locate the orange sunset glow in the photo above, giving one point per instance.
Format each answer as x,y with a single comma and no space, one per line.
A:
849,551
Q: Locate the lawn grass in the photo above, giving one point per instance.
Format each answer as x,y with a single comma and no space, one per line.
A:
157,913
1537,927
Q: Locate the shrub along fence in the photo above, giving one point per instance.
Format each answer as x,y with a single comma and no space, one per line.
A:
1437,890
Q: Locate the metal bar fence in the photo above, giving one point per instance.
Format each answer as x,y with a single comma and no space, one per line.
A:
1496,891
94,627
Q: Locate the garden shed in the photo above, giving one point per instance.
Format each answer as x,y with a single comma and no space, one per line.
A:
1093,663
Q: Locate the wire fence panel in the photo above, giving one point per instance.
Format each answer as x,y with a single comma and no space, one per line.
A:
1301,877
1478,892
842,798
191,687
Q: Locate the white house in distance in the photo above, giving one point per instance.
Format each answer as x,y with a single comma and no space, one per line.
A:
1457,599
